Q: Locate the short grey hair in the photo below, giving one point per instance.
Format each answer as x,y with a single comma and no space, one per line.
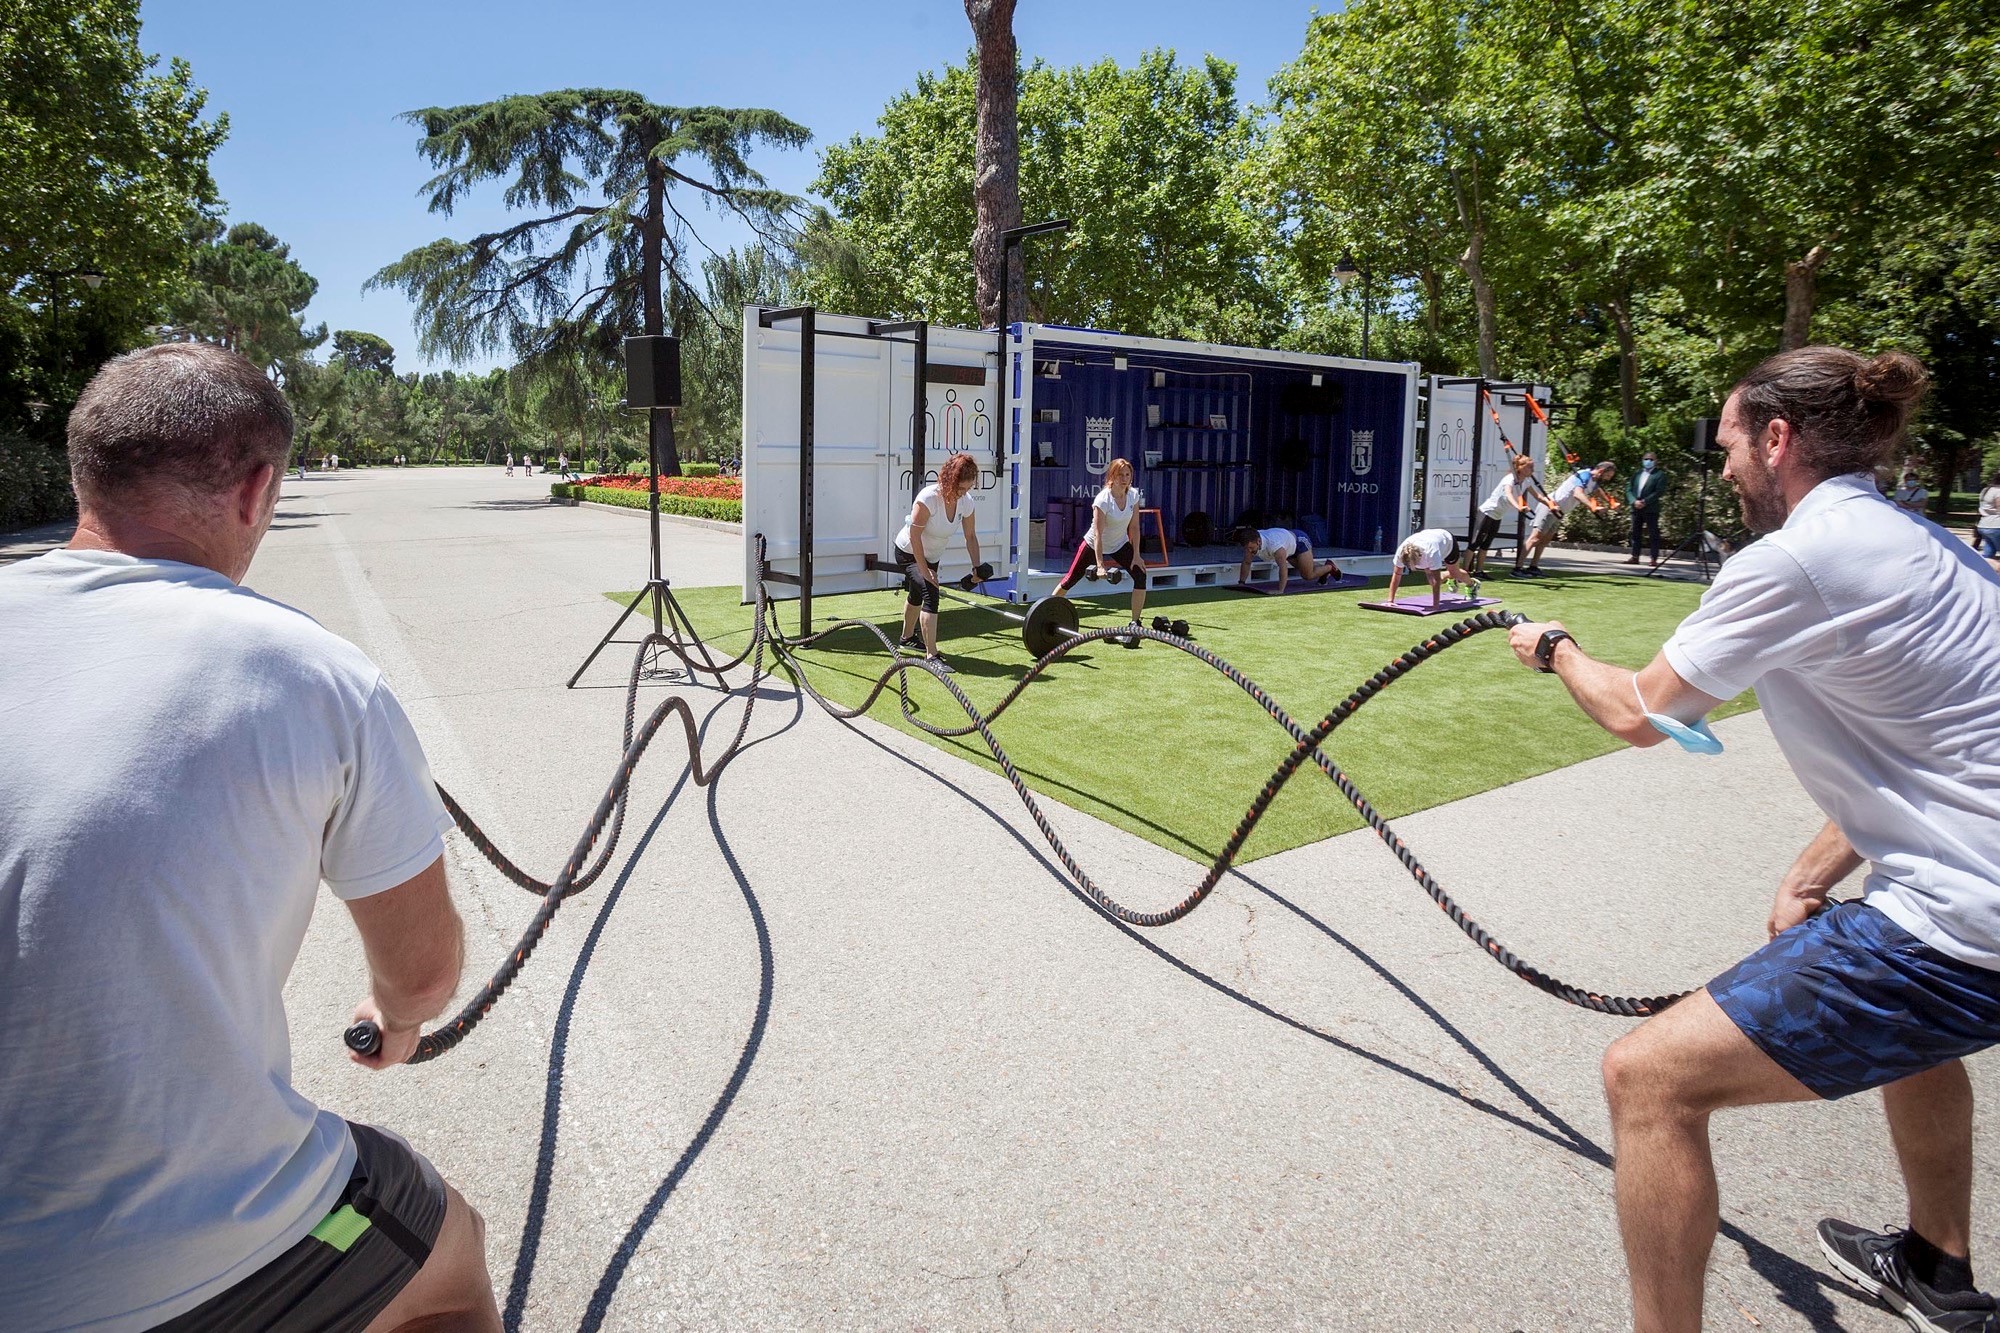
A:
176,421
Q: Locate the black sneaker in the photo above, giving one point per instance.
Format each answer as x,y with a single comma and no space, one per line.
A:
912,644
942,667
1873,1261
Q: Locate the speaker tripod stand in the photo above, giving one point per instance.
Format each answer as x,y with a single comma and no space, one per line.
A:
670,619
1700,545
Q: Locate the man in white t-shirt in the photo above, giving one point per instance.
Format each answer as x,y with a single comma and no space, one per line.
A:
1870,637
1579,487
156,879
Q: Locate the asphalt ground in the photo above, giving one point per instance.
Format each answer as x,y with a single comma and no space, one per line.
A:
833,1045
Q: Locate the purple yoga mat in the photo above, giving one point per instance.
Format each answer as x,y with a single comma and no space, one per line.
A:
1299,585
1419,604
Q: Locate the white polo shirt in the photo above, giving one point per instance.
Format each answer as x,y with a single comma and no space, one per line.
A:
1872,637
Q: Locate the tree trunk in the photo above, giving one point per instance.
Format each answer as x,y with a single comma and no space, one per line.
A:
1801,289
1433,283
1483,302
996,158
1628,363
1474,226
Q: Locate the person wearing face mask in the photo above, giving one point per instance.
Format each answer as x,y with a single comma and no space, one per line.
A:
1870,642
1912,495
1644,493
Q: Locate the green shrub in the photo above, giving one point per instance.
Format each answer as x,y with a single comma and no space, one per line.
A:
34,482
701,469
724,511
560,490
637,469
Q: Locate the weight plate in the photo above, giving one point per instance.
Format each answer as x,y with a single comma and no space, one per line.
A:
1050,621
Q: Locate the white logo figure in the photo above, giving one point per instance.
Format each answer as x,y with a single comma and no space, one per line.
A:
1097,444
1361,451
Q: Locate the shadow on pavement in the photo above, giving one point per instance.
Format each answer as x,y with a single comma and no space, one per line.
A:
1798,1286
538,1200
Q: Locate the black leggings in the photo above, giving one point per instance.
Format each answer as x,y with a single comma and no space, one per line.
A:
921,591
1122,557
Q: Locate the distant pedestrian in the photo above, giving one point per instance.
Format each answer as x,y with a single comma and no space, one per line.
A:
1988,528
1912,495
528,462
336,461
1644,493
510,464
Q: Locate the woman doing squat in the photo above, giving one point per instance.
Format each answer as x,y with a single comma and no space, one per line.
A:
921,547
1113,540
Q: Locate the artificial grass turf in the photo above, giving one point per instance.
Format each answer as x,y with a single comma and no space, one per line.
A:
1164,747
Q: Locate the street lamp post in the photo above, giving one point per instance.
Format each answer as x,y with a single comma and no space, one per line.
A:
1347,271
1010,238
91,279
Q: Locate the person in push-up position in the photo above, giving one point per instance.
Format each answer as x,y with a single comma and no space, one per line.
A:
1288,548
1435,552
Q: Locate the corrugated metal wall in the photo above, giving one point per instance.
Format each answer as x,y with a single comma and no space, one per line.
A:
1214,434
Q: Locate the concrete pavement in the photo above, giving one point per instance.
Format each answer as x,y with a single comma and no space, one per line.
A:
833,1046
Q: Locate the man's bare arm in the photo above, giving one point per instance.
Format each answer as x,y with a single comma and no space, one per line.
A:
1828,859
415,944
1604,692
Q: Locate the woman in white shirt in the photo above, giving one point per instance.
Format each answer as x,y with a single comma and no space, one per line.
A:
921,547
1113,540
1510,496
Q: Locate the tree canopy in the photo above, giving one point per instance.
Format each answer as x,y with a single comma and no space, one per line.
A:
1141,159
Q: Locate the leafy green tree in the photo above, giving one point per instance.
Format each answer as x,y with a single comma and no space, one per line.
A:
571,281
245,292
711,417
364,351
103,166
1142,159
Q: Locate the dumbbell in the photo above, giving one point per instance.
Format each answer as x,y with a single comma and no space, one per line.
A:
1113,576
1177,628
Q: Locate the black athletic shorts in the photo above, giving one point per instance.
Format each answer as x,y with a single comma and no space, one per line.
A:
1489,528
353,1263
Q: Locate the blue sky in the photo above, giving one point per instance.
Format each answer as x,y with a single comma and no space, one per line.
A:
316,152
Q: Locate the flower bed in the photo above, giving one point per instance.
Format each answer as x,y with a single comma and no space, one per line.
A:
706,488
721,510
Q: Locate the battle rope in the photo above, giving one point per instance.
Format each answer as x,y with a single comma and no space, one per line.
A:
365,1036
1308,742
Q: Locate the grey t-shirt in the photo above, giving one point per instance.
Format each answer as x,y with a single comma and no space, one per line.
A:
1872,637
185,762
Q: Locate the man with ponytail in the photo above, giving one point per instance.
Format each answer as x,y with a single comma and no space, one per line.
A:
1869,634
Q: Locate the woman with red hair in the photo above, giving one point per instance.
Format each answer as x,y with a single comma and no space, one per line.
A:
1113,540
921,546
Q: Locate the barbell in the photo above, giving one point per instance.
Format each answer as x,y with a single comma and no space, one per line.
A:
1049,623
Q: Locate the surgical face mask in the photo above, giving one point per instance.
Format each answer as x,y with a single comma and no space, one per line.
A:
1696,739
1649,465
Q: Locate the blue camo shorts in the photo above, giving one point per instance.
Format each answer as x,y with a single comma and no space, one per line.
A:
1849,1001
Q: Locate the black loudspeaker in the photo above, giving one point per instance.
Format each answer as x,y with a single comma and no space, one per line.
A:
1704,436
653,371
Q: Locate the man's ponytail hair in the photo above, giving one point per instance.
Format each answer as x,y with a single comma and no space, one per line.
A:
1849,410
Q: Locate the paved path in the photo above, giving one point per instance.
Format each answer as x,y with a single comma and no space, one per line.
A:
847,1054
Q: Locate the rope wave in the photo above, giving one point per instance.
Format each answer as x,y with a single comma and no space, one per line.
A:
1308,747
